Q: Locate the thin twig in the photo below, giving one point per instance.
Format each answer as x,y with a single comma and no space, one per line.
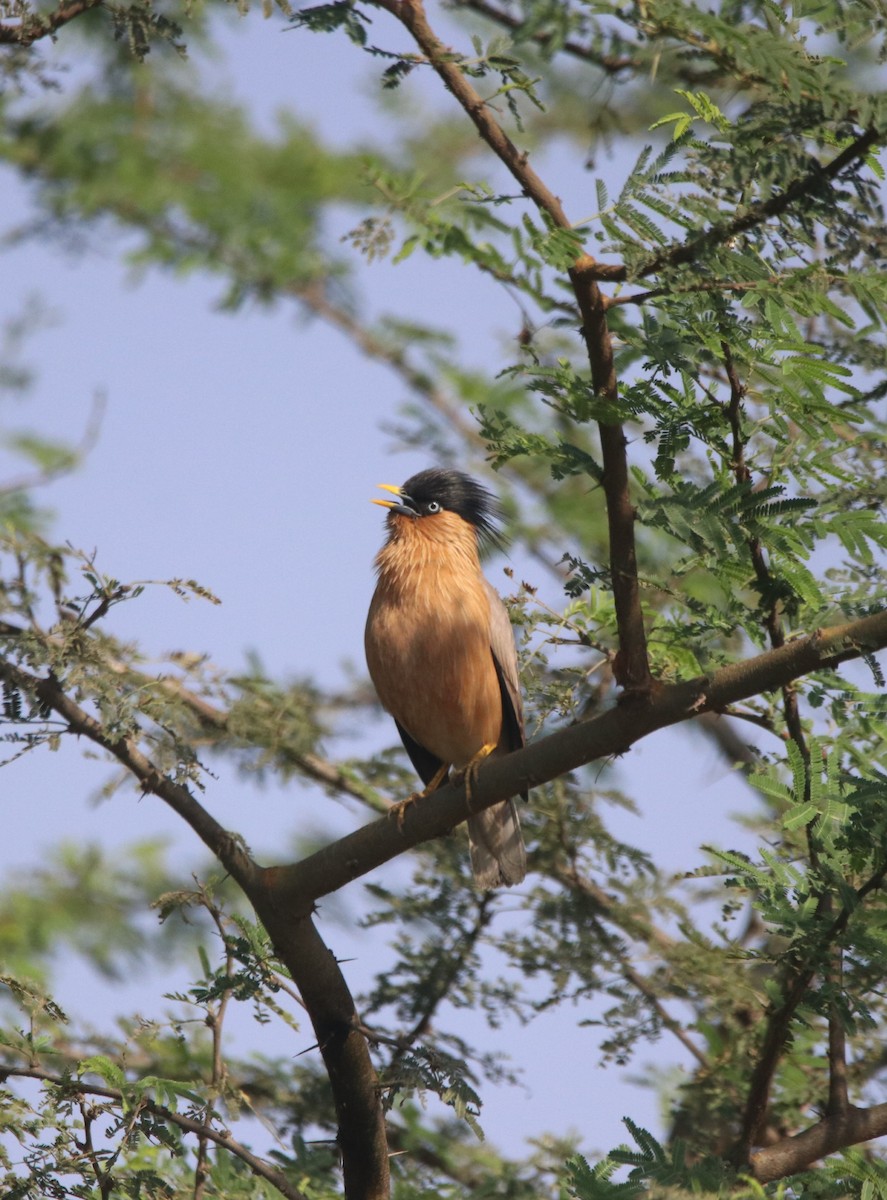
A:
24,483
215,1020
612,64
779,1019
758,214
77,1087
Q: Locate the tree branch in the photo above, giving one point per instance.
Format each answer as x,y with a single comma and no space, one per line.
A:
357,1096
613,732
757,214
832,1133
34,27
224,845
780,1016
778,1024
724,231
77,1087
287,919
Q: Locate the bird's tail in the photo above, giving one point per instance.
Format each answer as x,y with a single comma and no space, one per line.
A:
498,857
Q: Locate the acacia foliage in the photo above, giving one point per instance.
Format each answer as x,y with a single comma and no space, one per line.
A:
689,431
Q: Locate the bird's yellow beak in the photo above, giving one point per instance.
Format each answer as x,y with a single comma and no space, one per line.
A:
387,487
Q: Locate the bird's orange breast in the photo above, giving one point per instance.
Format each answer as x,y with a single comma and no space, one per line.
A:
428,639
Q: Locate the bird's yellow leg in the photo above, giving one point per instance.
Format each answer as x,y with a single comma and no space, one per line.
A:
468,774
399,810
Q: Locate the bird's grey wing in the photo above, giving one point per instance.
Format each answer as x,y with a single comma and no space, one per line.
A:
497,849
427,764
505,658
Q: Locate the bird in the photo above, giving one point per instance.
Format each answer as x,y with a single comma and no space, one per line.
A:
441,652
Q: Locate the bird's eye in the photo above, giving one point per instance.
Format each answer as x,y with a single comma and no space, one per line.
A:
432,506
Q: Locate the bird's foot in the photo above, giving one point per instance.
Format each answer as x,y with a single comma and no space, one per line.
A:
399,810
468,774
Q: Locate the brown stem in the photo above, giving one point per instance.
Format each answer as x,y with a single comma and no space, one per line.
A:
838,1095
411,14
104,1179
32,28
780,1017
779,1022
834,1132
631,667
361,1125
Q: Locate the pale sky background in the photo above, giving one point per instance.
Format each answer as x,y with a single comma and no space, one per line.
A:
241,450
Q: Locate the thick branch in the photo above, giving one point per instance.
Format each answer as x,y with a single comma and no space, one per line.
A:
631,668
284,896
355,1086
411,14
611,733
830,1134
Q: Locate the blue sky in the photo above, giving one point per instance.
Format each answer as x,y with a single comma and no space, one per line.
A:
242,450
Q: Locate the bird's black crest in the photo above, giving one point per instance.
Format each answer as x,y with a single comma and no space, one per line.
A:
459,493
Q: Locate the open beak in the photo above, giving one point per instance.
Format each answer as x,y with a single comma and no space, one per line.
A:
404,505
